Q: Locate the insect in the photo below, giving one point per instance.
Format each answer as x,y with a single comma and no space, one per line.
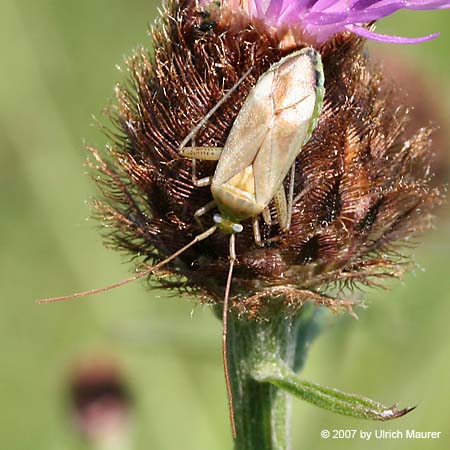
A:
274,123
207,24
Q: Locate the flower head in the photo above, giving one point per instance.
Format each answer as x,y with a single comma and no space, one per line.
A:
318,20
362,182
100,402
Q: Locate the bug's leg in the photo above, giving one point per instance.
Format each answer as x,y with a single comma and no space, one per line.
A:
301,194
290,197
200,182
257,232
267,216
205,119
203,210
204,154
282,208
256,229
225,333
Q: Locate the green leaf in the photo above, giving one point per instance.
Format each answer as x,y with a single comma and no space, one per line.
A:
327,398
311,322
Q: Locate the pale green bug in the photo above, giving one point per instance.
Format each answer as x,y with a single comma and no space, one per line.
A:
269,132
273,125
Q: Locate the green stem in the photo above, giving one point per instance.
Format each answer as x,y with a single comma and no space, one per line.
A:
263,358
262,410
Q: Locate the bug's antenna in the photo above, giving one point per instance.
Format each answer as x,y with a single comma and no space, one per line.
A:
142,274
225,332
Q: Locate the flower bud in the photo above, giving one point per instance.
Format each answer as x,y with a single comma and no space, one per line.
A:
362,181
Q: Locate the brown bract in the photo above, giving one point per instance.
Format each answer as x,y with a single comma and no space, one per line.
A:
362,184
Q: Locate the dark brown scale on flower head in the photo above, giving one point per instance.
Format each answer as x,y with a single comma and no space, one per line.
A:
363,184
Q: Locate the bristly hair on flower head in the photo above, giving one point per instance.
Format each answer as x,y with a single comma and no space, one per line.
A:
321,19
363,182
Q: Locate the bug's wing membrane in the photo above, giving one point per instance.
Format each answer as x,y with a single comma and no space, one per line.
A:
248,133
294,100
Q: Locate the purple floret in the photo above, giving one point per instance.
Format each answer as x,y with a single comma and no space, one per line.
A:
323,18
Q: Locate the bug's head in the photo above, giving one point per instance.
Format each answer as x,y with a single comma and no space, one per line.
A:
227,224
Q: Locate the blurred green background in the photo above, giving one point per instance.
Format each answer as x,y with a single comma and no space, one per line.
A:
57,69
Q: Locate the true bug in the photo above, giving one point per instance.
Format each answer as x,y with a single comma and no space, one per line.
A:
273,125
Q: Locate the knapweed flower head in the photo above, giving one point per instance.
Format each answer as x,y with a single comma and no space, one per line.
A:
318,20
362,182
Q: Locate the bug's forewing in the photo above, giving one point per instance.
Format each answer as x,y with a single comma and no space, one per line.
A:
249,131
271,127
293,96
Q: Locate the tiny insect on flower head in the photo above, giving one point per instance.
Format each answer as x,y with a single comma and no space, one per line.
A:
319,20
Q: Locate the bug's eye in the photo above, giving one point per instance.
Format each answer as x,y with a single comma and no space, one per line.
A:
217,218
237,227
